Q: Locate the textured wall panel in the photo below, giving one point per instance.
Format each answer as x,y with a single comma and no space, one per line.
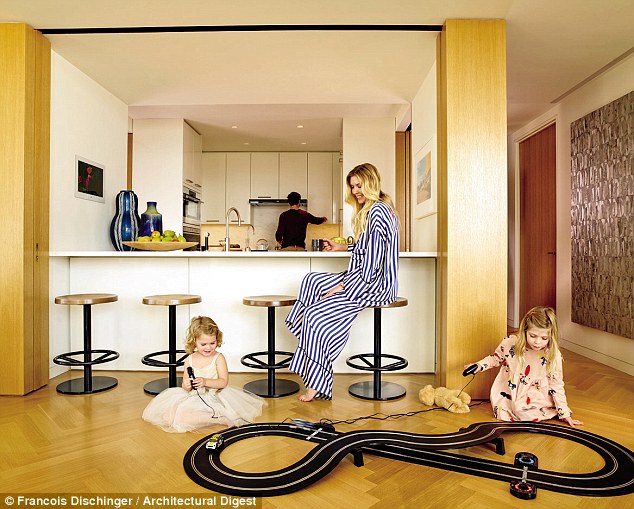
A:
602,207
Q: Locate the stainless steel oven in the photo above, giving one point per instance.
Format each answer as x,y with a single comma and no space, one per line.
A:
191,207
191,216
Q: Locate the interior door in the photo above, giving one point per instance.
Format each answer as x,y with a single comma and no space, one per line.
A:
538,229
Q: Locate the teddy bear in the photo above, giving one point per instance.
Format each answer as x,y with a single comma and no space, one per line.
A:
451,399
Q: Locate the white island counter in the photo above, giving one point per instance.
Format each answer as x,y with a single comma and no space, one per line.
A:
222,280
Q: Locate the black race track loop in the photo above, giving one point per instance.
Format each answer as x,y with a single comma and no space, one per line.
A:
206,469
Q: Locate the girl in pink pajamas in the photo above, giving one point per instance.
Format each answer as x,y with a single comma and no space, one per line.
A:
530,384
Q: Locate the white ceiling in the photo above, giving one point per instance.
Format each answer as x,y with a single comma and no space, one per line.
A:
266,83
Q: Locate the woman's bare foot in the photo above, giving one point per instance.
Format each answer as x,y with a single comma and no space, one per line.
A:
308,395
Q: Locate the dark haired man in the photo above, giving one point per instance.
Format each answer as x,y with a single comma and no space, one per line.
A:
291,228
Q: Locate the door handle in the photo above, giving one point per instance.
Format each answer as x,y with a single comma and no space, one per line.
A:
552,252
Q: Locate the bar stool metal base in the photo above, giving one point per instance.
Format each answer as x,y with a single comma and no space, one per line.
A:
76,385
386,391
157,386
282,388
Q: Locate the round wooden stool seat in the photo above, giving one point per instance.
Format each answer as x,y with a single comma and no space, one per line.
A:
271,359
398,303
376,389
175,299
88,384
82,299
269,300
171,300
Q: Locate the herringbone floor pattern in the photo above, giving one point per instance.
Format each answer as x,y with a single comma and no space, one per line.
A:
50,443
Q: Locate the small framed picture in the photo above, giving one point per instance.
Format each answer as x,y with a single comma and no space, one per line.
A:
425,174
89,179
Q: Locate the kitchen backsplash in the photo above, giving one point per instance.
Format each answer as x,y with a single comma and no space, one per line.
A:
264,220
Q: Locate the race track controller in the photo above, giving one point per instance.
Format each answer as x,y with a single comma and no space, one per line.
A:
471,370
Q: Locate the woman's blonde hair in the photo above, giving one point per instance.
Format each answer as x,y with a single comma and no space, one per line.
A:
370,180
201,325
539,318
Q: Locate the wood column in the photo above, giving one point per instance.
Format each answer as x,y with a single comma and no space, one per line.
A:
25,70
472,198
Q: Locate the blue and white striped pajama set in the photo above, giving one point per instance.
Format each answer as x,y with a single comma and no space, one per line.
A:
322,326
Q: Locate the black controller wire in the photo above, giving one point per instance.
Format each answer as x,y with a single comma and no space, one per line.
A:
380,416
213,412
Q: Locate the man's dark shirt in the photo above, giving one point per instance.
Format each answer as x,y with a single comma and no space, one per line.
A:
291,229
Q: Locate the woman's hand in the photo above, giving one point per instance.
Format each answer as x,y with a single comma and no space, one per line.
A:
332,291
572,422
331,245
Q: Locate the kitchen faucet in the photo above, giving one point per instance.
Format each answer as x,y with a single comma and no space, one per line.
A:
227,241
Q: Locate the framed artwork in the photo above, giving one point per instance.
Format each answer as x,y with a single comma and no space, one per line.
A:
89,179
425,175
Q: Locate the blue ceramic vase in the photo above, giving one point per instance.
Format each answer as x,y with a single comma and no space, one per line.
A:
125,223
151,220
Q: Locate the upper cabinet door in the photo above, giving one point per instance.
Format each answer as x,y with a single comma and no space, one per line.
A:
264,174
320,184
293,173
192,151
237,184
214,168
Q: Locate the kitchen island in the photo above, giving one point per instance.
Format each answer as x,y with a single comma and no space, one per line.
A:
222,280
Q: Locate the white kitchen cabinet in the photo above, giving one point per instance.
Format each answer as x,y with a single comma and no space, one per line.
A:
293,174
214,169
320,184
238,185
264,174
192,152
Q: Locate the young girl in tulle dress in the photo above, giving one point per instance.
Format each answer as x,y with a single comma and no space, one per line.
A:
208,400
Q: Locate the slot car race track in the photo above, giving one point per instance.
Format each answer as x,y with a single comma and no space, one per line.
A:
205,467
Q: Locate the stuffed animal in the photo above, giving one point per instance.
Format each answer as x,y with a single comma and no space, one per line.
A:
450,399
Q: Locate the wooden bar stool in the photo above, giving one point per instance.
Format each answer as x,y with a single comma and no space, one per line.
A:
376,389
88,384
271,387
172,300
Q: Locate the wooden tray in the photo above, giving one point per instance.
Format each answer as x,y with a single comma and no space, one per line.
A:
159,246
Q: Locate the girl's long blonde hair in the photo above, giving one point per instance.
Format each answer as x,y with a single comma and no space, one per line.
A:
370,180
201,325
540,318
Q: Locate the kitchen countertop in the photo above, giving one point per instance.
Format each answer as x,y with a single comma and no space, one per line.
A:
222,254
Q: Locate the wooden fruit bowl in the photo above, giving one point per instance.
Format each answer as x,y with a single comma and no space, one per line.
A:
159,246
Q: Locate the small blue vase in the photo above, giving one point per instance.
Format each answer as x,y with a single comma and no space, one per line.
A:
125,223
151,220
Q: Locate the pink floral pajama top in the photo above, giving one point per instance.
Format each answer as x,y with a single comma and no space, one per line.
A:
525,393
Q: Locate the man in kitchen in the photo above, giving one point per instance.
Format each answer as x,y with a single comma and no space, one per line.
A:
291,228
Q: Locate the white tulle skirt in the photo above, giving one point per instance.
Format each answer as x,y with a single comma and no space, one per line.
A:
177,410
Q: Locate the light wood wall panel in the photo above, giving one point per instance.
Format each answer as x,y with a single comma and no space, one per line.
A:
472,199
24,209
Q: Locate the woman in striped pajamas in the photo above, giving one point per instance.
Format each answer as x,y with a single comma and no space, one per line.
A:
327,303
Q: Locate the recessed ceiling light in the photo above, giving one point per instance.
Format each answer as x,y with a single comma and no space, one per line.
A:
303,143
300,126
234,127
246,143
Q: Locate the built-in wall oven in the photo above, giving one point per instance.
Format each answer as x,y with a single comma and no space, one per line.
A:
192,204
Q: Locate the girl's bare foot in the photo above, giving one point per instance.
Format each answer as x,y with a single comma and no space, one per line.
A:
308,395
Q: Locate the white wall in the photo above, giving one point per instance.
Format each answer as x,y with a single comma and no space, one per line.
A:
609,349
369,140
424,127
88,121
157,162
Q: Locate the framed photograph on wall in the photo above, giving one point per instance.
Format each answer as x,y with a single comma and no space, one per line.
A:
425,180
89,179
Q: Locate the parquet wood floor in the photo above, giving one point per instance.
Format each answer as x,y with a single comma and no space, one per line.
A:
51,443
